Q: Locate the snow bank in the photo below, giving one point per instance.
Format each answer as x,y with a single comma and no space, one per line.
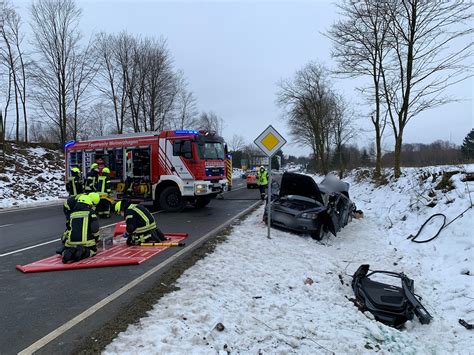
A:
290,294
32,176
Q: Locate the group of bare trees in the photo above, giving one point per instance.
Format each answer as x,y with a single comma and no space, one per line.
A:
411,51
13,71
62,86
317,116
139,81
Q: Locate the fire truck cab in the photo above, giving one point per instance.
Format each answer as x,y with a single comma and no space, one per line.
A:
171,168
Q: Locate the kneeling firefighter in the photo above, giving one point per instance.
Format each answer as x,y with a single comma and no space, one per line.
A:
70,204
141,226
103,188
80,241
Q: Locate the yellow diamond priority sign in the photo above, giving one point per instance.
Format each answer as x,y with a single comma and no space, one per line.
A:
270,141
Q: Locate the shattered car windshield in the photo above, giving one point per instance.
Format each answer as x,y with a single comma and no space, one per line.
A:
211,150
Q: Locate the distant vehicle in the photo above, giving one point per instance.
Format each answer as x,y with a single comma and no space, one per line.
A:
302,206
169,168
251,179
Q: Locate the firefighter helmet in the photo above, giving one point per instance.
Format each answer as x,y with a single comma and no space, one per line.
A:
94,166
106,170
95,198
75,170
85,199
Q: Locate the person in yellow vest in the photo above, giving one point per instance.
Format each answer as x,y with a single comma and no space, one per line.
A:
262,181
74,185
80,241
141,226
103,189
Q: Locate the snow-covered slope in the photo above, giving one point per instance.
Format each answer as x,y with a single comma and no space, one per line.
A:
32,175
290,294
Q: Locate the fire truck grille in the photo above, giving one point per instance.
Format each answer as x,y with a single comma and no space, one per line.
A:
214,171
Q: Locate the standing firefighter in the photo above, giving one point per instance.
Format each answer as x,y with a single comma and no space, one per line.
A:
262,181
141,226
74,185
103,188
91,180
83,233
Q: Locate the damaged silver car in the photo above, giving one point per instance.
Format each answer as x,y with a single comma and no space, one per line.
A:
303,206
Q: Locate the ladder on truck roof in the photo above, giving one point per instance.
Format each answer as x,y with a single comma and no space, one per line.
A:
124,135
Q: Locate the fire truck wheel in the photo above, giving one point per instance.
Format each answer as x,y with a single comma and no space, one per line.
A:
171,200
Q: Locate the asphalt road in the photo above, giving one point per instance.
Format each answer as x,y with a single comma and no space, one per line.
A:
33,305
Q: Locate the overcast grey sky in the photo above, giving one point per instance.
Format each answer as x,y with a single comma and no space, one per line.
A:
234,53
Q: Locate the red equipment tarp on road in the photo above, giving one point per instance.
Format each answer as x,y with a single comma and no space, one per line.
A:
117,255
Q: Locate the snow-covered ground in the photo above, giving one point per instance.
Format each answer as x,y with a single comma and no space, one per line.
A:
32,176
284,295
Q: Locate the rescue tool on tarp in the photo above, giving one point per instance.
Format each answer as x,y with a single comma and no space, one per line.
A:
162,244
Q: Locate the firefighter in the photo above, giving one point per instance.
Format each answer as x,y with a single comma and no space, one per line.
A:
141,226
74,185
91,180
103,188
70,204
262,181
80,241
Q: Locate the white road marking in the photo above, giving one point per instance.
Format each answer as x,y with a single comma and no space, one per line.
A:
90,311
31,247
6,225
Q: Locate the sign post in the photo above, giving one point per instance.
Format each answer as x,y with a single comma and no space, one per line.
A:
270,142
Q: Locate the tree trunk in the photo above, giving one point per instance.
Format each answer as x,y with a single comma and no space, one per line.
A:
398,153
378,149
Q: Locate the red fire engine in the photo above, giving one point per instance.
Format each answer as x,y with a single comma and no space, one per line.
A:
170,168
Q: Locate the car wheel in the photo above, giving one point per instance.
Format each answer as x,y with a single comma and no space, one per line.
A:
249,187
319,233
171,199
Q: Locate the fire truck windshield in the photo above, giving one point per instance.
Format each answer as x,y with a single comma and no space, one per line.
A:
211,150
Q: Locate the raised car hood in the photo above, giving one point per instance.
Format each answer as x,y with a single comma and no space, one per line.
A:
301,185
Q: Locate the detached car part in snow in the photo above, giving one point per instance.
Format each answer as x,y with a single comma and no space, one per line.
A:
303,206
389,304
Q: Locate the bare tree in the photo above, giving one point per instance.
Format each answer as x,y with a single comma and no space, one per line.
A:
237,143
343,130
111,81
8,54
211,122
56,40
186,116
7,104
83,71
309,102
360,43
427,57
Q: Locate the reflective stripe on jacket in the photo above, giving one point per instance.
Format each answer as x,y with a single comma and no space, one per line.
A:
103,184
139,220
83,228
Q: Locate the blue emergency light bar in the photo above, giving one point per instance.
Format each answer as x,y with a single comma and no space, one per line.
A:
69,144
186,131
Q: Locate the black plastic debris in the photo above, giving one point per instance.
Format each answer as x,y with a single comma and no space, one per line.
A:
391,305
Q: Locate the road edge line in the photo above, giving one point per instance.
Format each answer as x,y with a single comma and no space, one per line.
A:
37,345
